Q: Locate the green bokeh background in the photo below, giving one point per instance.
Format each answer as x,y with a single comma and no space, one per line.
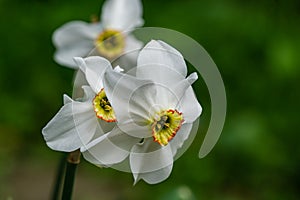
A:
256,46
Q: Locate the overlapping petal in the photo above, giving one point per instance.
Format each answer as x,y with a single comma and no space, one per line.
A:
159,52
119,89
188,137
179,89
110,148
159,73
94,68
154,177
180,137
128,59
150,161
78,82
73,126
190,106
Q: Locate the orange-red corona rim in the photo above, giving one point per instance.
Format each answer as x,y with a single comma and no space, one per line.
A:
165,127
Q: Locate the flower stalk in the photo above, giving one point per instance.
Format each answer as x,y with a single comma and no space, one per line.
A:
73,160
59,177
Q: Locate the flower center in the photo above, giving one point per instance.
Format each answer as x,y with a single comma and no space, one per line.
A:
166,125
103,108
110,43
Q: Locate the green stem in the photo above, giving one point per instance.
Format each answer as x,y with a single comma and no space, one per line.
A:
72,161
59,178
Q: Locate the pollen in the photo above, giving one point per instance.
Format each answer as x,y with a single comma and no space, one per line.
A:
103,108
166,125
110,43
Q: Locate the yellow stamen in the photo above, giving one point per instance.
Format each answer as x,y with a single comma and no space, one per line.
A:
110,43
165,127
103,108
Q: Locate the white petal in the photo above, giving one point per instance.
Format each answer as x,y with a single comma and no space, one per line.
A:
79,81
159,73
75,38
80,63
104,127
155,176
73,126
188,138
139,129
128,94
133,45
75,31
149,159
110,148
170,85
181,87
131,52
122,14
189,106
94,68
180,137
64,55
134,101
89,94
123,166
67,99
128,59
158,52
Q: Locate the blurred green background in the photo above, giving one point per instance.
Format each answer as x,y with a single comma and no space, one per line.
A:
256,46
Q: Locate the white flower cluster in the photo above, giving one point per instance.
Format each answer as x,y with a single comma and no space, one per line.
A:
134,120
110,37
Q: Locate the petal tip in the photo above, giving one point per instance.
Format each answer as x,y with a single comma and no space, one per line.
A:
80,63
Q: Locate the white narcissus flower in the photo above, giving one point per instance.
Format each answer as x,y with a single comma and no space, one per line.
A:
155,113
108,37
79,121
